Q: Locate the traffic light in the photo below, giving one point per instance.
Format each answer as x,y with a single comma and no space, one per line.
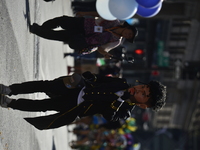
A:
139,56
139,51
155,73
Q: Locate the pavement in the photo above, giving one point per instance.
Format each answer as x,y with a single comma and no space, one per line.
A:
26,57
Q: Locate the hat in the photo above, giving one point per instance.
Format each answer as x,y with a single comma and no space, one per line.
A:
133,28
73,81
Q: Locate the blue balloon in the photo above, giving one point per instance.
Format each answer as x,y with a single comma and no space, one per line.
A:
148,12
149,3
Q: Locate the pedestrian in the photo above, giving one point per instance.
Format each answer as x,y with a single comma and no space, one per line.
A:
86,34
113,98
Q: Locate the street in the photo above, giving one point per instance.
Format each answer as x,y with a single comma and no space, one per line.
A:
26,57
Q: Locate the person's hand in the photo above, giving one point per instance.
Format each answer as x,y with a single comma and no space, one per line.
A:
108,56
88,76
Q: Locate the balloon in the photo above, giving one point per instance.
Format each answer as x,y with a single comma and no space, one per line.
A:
103,10
147,12
132,21
149,3
123,9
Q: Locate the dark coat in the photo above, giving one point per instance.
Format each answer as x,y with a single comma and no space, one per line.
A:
100,98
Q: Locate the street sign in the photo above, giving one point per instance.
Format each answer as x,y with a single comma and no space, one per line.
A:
162,56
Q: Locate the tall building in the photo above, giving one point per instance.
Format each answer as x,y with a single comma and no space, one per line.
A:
170,43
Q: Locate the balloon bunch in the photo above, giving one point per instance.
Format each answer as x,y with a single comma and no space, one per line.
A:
125,9
148,8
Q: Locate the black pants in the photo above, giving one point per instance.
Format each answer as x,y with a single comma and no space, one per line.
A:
73,31
64,99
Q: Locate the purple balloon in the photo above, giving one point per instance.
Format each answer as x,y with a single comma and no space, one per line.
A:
148,12
149,3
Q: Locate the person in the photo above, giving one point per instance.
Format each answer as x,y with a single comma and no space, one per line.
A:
113,98
86,34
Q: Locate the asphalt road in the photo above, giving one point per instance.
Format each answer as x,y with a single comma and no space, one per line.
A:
26,57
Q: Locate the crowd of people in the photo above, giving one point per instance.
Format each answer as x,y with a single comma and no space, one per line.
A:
95,133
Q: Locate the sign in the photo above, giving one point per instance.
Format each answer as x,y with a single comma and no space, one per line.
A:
162,56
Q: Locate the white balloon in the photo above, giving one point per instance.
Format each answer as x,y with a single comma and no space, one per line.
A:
103,10
123,9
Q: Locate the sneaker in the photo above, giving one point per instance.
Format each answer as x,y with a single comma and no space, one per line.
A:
4,101
4,89
33,28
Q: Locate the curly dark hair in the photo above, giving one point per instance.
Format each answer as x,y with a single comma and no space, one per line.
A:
157,95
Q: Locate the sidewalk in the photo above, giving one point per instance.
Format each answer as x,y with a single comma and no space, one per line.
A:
53,66
26,57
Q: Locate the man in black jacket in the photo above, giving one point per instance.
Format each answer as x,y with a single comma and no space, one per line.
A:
111,97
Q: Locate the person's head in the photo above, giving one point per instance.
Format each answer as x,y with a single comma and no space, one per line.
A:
129,32
151,95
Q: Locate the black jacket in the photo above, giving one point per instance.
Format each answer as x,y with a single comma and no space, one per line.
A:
100,98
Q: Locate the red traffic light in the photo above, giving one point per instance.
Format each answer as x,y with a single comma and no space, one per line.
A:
155,73
139,51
